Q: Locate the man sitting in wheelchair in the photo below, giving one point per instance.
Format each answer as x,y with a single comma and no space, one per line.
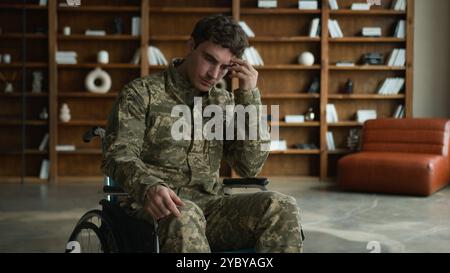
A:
176,182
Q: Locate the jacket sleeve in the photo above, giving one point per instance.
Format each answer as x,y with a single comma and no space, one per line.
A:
246,157
124,139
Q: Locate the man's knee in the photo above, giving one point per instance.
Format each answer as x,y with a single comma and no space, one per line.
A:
185,233
278,201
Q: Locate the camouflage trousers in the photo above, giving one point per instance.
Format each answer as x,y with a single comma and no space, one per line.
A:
263,221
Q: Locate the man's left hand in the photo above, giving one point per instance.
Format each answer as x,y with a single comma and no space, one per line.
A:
247,74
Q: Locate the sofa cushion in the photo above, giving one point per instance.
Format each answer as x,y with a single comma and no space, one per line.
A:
390,172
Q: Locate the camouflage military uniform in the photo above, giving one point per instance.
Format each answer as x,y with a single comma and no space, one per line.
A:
140,153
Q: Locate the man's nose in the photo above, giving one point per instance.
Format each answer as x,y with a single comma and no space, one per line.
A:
214,72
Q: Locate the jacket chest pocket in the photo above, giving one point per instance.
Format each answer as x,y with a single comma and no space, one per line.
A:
161,132
215,154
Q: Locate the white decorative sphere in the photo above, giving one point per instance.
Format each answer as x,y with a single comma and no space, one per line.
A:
306,58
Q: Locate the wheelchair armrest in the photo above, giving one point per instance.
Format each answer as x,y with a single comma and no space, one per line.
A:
246,182
113,190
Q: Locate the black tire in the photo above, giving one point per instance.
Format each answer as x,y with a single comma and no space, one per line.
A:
94,234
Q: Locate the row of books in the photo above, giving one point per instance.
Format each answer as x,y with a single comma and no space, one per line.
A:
66,57
332,116
391,86
252,56
397,57
330,141
399,112
154,55
248,31
334,29
400,29
314,29
399,5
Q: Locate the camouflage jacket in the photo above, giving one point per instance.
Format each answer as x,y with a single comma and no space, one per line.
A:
139,151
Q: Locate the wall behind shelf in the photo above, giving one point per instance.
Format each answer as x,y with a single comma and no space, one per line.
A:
432,59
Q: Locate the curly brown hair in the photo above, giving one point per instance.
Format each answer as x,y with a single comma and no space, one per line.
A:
221,30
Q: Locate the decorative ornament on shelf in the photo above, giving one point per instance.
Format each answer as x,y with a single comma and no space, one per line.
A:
37,82
66,31
309,115
103,57
353,140
44,114
348,88
98,75
306,58
222,84
8,83
7,58
118,25
64,114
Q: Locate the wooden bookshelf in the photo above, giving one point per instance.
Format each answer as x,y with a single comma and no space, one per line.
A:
281,36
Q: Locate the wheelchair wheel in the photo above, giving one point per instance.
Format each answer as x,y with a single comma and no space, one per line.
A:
94,234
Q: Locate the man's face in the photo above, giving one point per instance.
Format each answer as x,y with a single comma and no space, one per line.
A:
207,64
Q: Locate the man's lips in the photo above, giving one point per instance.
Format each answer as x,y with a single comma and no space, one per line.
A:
205,82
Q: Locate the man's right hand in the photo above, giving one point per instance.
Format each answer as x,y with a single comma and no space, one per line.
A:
160,202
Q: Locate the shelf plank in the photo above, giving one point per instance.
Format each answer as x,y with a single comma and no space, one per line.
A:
29,65
13,122
367,12
295,152
345,124
95,65
301,124
98,8
23,6
190,10
290,96
82,37
340,152
27,94
36,36
287,67
367,40
365,97
83,123
86,94
245,11
284,39
368,68
82,152
169,38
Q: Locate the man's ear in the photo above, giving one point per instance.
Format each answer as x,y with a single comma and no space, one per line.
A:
190,45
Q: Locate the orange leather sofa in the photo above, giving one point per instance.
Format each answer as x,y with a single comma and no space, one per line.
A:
399,156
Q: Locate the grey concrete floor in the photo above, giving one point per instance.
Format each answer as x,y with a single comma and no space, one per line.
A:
38,218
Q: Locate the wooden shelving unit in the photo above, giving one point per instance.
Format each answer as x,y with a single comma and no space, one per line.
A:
281,36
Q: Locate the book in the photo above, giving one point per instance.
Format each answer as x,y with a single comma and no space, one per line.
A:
135,26
371,32
308,4
44,143
94,32
332,116
278,145
267,3
294,118
399,5
360,6
43,174
314,30
248,31
398,111
345,63
365,115
42,2
333,4
400,29
65,148
330,141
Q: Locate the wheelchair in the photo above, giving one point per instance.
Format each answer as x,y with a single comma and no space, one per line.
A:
113,229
